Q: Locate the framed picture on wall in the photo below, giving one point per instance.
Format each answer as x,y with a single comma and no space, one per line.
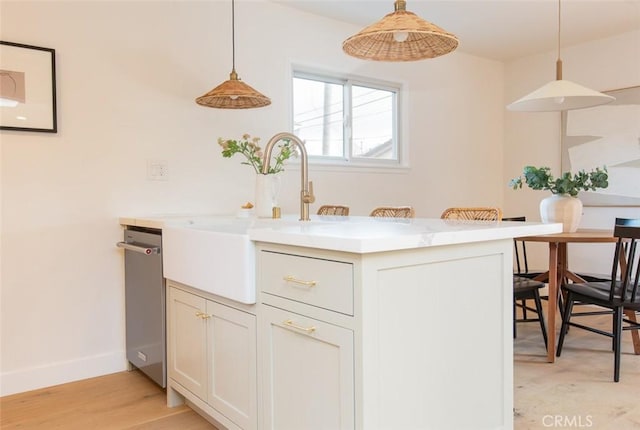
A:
27,88
607,135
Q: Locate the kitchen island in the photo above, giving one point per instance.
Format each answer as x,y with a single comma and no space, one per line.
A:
358,323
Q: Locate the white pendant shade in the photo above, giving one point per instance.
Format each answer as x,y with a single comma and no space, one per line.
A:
559,95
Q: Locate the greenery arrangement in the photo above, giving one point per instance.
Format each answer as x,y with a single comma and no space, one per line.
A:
249,147
540,178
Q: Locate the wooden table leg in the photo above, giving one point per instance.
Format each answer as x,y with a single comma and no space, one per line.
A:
552,303
562,263
635,336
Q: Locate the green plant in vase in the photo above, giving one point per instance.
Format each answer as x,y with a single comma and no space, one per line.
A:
267,186
563,205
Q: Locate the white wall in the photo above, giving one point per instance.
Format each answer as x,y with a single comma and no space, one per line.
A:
128,74
534,138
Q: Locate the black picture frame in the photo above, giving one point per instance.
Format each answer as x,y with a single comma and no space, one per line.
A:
27,88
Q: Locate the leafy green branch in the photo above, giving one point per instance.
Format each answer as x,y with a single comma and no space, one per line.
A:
540,178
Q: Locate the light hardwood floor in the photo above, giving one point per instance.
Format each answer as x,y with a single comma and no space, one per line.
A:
577,391
121,401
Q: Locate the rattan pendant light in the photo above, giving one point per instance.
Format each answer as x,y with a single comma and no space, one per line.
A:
400,36
559,95
233,94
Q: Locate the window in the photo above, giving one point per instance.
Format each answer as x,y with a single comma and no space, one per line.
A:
344,120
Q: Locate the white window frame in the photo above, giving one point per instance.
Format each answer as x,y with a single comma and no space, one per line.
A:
348,161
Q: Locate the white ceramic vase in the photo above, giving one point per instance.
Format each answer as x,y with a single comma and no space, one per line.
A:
267,190
562,208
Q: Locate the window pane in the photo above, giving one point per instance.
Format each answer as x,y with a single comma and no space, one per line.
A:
373,123
318,116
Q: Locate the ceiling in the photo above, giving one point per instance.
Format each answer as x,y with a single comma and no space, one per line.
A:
497,29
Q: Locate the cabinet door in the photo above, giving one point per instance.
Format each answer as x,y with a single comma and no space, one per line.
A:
308,373
187,361
232,364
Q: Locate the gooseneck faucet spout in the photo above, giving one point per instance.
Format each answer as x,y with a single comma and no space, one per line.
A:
306,187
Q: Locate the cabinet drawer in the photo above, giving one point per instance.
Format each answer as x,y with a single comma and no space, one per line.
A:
326,284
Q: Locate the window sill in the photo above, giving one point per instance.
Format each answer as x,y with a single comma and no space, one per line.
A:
346,167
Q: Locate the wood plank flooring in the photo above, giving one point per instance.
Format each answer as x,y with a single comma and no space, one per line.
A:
121,401
577,391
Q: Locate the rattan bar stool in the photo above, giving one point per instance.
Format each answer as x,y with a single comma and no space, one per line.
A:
473,214
393,212
333,210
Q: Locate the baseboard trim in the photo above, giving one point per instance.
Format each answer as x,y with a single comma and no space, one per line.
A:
33,378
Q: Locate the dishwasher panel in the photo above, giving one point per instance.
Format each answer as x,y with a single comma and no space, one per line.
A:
145,303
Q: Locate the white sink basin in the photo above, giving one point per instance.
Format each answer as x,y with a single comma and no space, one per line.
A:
212,255
216,254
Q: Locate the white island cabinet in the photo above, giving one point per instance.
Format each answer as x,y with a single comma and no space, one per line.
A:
412,339
211,361
359,323
307,357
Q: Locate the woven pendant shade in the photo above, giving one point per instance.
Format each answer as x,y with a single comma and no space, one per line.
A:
400,36
233,94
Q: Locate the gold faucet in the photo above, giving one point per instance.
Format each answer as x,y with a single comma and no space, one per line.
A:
306,186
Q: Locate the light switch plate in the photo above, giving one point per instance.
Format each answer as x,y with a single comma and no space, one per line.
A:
157,170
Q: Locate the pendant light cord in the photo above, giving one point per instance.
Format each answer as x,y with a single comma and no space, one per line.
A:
559,25
233,35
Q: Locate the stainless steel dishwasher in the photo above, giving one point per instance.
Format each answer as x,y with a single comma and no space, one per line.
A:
145,302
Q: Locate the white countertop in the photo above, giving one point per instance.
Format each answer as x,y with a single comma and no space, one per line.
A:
351,234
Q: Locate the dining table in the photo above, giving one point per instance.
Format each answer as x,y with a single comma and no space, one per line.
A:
559,272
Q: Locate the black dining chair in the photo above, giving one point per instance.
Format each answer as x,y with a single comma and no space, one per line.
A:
523,270
520,254
618,295
525,288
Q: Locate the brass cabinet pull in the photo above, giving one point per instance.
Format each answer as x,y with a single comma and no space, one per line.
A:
202,315
291,279
308,330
